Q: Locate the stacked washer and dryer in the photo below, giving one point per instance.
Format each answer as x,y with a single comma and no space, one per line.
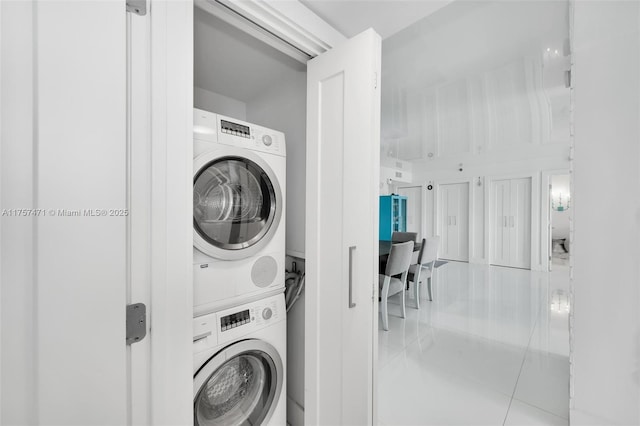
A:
239,325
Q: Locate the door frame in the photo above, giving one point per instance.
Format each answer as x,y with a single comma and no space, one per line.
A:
471,208
535,263
161,395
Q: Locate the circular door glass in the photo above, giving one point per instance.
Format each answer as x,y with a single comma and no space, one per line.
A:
233,203
239,392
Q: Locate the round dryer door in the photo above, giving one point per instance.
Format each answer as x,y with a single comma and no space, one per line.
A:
237,204
238,386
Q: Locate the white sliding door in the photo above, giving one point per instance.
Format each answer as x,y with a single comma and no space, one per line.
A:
511,223
343,144
453,221
64,258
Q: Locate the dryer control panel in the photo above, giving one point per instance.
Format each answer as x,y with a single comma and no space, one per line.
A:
209,127
250,136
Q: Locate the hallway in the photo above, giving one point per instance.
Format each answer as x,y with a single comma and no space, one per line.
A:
491,349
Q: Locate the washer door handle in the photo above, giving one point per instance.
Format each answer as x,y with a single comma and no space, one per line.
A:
201,336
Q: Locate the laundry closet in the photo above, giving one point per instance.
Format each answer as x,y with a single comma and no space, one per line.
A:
245,79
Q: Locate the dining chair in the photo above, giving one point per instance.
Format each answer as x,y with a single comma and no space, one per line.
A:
397,264
423,269
401,237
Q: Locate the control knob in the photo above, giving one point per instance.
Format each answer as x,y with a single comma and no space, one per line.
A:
267,140
267,313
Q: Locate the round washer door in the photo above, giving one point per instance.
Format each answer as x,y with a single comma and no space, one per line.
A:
238,386
237,203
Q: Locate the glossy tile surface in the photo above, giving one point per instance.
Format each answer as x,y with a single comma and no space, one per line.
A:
491,348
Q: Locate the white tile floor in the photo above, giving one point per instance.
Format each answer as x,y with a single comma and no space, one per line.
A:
491,349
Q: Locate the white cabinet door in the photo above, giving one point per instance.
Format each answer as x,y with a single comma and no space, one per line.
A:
511,233
454,221
343,143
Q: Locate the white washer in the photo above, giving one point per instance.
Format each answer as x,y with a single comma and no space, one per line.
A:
238,211
239,365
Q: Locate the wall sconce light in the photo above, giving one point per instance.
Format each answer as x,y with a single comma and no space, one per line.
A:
558,204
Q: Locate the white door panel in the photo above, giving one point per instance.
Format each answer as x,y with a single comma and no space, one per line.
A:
453,221
520,224
511,221
73,325
66,116
343,104
500,237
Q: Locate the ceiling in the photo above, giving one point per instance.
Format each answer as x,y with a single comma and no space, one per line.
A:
232,63
425,44
387,17
454,54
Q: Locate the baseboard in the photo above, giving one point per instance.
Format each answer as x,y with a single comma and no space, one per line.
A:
295,413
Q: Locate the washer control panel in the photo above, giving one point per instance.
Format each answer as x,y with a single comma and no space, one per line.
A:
267,313
230,324
235,129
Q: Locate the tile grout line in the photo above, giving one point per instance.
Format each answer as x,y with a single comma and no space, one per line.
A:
524,358
541,409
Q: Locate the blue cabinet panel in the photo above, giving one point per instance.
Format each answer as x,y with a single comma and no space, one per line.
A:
393,215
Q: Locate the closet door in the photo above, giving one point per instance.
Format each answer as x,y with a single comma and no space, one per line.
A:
501,241
511,234
343,143
454,221
64,258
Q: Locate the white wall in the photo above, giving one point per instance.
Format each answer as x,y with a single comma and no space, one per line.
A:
220,104
295,354
479,170
283,107
476,108
605,358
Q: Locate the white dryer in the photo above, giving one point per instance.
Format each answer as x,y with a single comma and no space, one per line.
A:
239,365
239,178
